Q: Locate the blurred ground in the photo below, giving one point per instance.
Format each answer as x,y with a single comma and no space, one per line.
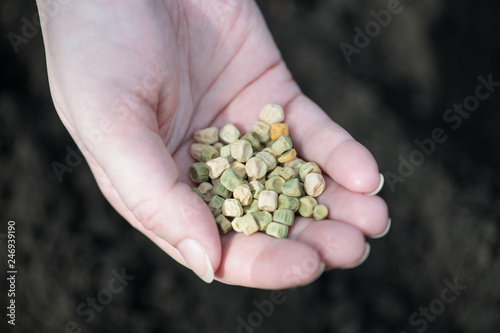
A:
446,213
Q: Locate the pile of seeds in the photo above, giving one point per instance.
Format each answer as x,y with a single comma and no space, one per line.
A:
255,182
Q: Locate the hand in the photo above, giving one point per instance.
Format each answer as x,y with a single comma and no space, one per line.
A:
133,80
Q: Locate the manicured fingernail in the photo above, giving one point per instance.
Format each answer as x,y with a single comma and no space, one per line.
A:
360,261
197,259
380,185
385,232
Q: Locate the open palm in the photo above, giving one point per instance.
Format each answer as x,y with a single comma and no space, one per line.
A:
132,81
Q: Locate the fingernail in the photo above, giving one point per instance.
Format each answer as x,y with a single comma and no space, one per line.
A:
380,185
197,259
385,232
360,261
318,274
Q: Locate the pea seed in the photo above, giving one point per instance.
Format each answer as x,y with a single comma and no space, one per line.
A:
286,202
217,166
262,131
308,168
209,153
232,208
254,142
277,230
222,191
263,219
307,205
288,173
256,187
295,164
256,168
196,149
223,224
292,188
275,172
241,150
287,156
281,145
229,133
225,151
268,201
278,130
272,113
239,168
207,136
275,184
230,179
243,194
207,190
314,184
320,212
216,204
252,208
198,172
268,159
247,224
285,216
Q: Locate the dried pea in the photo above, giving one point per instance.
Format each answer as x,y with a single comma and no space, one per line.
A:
252,208
209,153
241,150
222,191
254,142
288,173
243,194
223,224
229,133
240,169
217,166
287,156
225,151
268,201
278,130
286,202
256,187
277,230
263,219
281,145
292,188
275,172
307,205
314,184
320,212
285,216
207,190
232,208
308,168
256,168
268,159
272,113
196,149
262,131
247,224
216,204
198,172
207,136
230,179
275,184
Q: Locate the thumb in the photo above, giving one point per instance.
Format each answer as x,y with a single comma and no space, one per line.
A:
135,160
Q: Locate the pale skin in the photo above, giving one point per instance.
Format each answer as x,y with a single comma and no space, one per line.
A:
146,75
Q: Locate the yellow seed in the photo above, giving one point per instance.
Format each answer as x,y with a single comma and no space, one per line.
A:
256,168
196,149
239,168
314,184
243,194
278,130
217,166
287,156
207,136
272,113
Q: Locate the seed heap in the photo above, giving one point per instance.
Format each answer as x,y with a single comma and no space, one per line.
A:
255,182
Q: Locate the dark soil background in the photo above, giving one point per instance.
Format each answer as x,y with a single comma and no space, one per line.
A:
446,213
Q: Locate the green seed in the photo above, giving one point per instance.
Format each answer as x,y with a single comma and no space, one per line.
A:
230,179
220,190
308,168
256,187
275,172
197,191
252,208
198,172
274,184
262,131
223,224
281,145
288,173
320,212
285,216
247,224
286,202
307,205
252,139
215,205
209,153
277,230
225,151
296,164
292,188
263,219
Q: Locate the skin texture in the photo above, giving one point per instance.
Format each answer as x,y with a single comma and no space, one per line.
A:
133,80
